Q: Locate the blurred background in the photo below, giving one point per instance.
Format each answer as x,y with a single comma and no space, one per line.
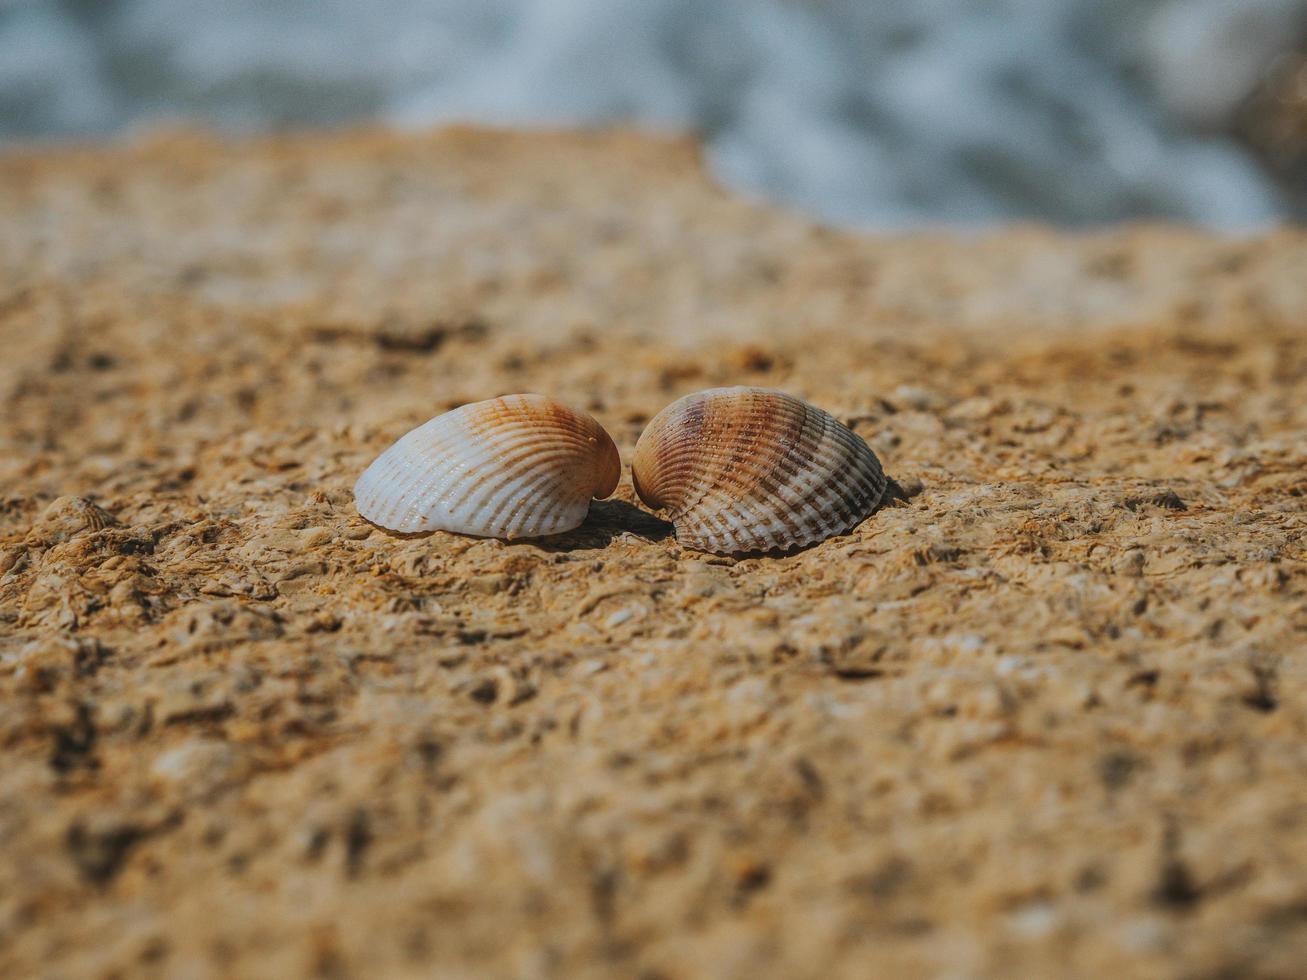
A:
882,114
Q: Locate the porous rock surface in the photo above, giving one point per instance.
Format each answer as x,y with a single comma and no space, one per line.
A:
1044,714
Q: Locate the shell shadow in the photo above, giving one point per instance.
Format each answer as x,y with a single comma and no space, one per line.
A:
397,535
607,519
893,494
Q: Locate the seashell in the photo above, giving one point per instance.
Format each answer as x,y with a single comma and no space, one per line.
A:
750,469
518,466
67,517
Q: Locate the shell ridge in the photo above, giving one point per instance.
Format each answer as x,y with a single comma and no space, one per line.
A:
864,466
795,466
410,483
840,495
678,478
769,432
546,484
675,462
538,468
541,477
859,473
717,452
775,488
522,466
517,461
750,531
391,469
751,469
522,449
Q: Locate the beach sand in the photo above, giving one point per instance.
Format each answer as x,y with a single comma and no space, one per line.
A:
1043,714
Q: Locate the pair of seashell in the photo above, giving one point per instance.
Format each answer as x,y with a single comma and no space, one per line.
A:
737,469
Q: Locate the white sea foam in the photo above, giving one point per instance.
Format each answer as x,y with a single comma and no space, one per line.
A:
888,114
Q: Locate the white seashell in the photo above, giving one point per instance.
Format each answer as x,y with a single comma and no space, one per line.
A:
517,466
750,469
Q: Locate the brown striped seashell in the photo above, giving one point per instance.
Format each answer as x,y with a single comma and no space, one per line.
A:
750,469
518,466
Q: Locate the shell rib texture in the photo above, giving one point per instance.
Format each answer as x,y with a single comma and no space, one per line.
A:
750,469
514,466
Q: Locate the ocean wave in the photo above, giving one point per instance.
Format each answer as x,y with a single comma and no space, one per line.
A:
903,113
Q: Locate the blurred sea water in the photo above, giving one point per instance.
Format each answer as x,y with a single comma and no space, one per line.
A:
883,114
